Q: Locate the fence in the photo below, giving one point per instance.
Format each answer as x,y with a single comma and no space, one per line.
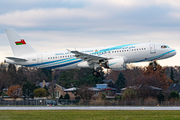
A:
44,102
23,102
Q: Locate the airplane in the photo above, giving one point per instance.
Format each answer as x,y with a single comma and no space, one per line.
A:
112,57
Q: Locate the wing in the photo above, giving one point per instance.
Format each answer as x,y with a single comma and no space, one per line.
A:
89,58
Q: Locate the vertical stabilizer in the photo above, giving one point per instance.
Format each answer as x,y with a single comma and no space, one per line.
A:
18,44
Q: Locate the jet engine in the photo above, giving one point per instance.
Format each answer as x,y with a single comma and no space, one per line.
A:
117,64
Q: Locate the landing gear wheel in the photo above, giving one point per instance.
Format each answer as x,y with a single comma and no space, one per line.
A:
96,74
154,68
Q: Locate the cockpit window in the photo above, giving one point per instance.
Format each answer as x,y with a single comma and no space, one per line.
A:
164,46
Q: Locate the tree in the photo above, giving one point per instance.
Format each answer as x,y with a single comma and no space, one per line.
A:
90,79
52,87
61,98
78,77
172,75
4,78
66,96
85,92
40,92
156,78
129,94
121,81
48,73
21,77
173,95
12,73
46,88
28,89
160,97
14,91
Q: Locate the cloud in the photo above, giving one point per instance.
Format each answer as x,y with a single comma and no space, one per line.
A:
175,15
38,17
145,3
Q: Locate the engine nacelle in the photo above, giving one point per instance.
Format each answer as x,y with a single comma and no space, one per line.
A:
117,64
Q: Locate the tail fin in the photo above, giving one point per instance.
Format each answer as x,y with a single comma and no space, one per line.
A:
18,44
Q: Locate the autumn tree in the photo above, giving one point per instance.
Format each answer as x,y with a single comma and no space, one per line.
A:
156,78
14,91
40,92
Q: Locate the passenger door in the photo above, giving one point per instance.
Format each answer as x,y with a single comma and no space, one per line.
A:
39,59
152,48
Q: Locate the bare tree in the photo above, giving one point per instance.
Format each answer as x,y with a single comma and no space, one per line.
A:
4,78
85,92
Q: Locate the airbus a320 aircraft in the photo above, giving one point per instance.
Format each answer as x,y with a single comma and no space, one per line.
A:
112,57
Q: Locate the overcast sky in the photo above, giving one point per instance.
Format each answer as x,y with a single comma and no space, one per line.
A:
54,25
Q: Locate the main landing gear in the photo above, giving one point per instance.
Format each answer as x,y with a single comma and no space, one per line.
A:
96,74
154,65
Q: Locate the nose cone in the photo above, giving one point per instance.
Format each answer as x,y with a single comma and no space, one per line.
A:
174,52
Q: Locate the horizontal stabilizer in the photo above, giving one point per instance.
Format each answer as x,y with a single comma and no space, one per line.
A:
17,59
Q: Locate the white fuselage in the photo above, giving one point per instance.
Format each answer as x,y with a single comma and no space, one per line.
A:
130,53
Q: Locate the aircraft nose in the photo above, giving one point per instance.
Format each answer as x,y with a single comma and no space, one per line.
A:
174,53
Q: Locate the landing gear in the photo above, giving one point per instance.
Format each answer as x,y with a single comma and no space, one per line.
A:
96,74
154,65
154,68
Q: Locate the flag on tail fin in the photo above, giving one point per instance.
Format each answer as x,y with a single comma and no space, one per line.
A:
22,42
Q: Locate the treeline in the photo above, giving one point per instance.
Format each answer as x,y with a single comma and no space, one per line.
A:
19,75
134,76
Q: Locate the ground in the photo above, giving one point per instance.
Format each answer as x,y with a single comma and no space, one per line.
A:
88,115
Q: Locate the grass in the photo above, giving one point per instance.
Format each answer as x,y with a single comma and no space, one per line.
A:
88,115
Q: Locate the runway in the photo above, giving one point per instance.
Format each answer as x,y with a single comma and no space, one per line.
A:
90,108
